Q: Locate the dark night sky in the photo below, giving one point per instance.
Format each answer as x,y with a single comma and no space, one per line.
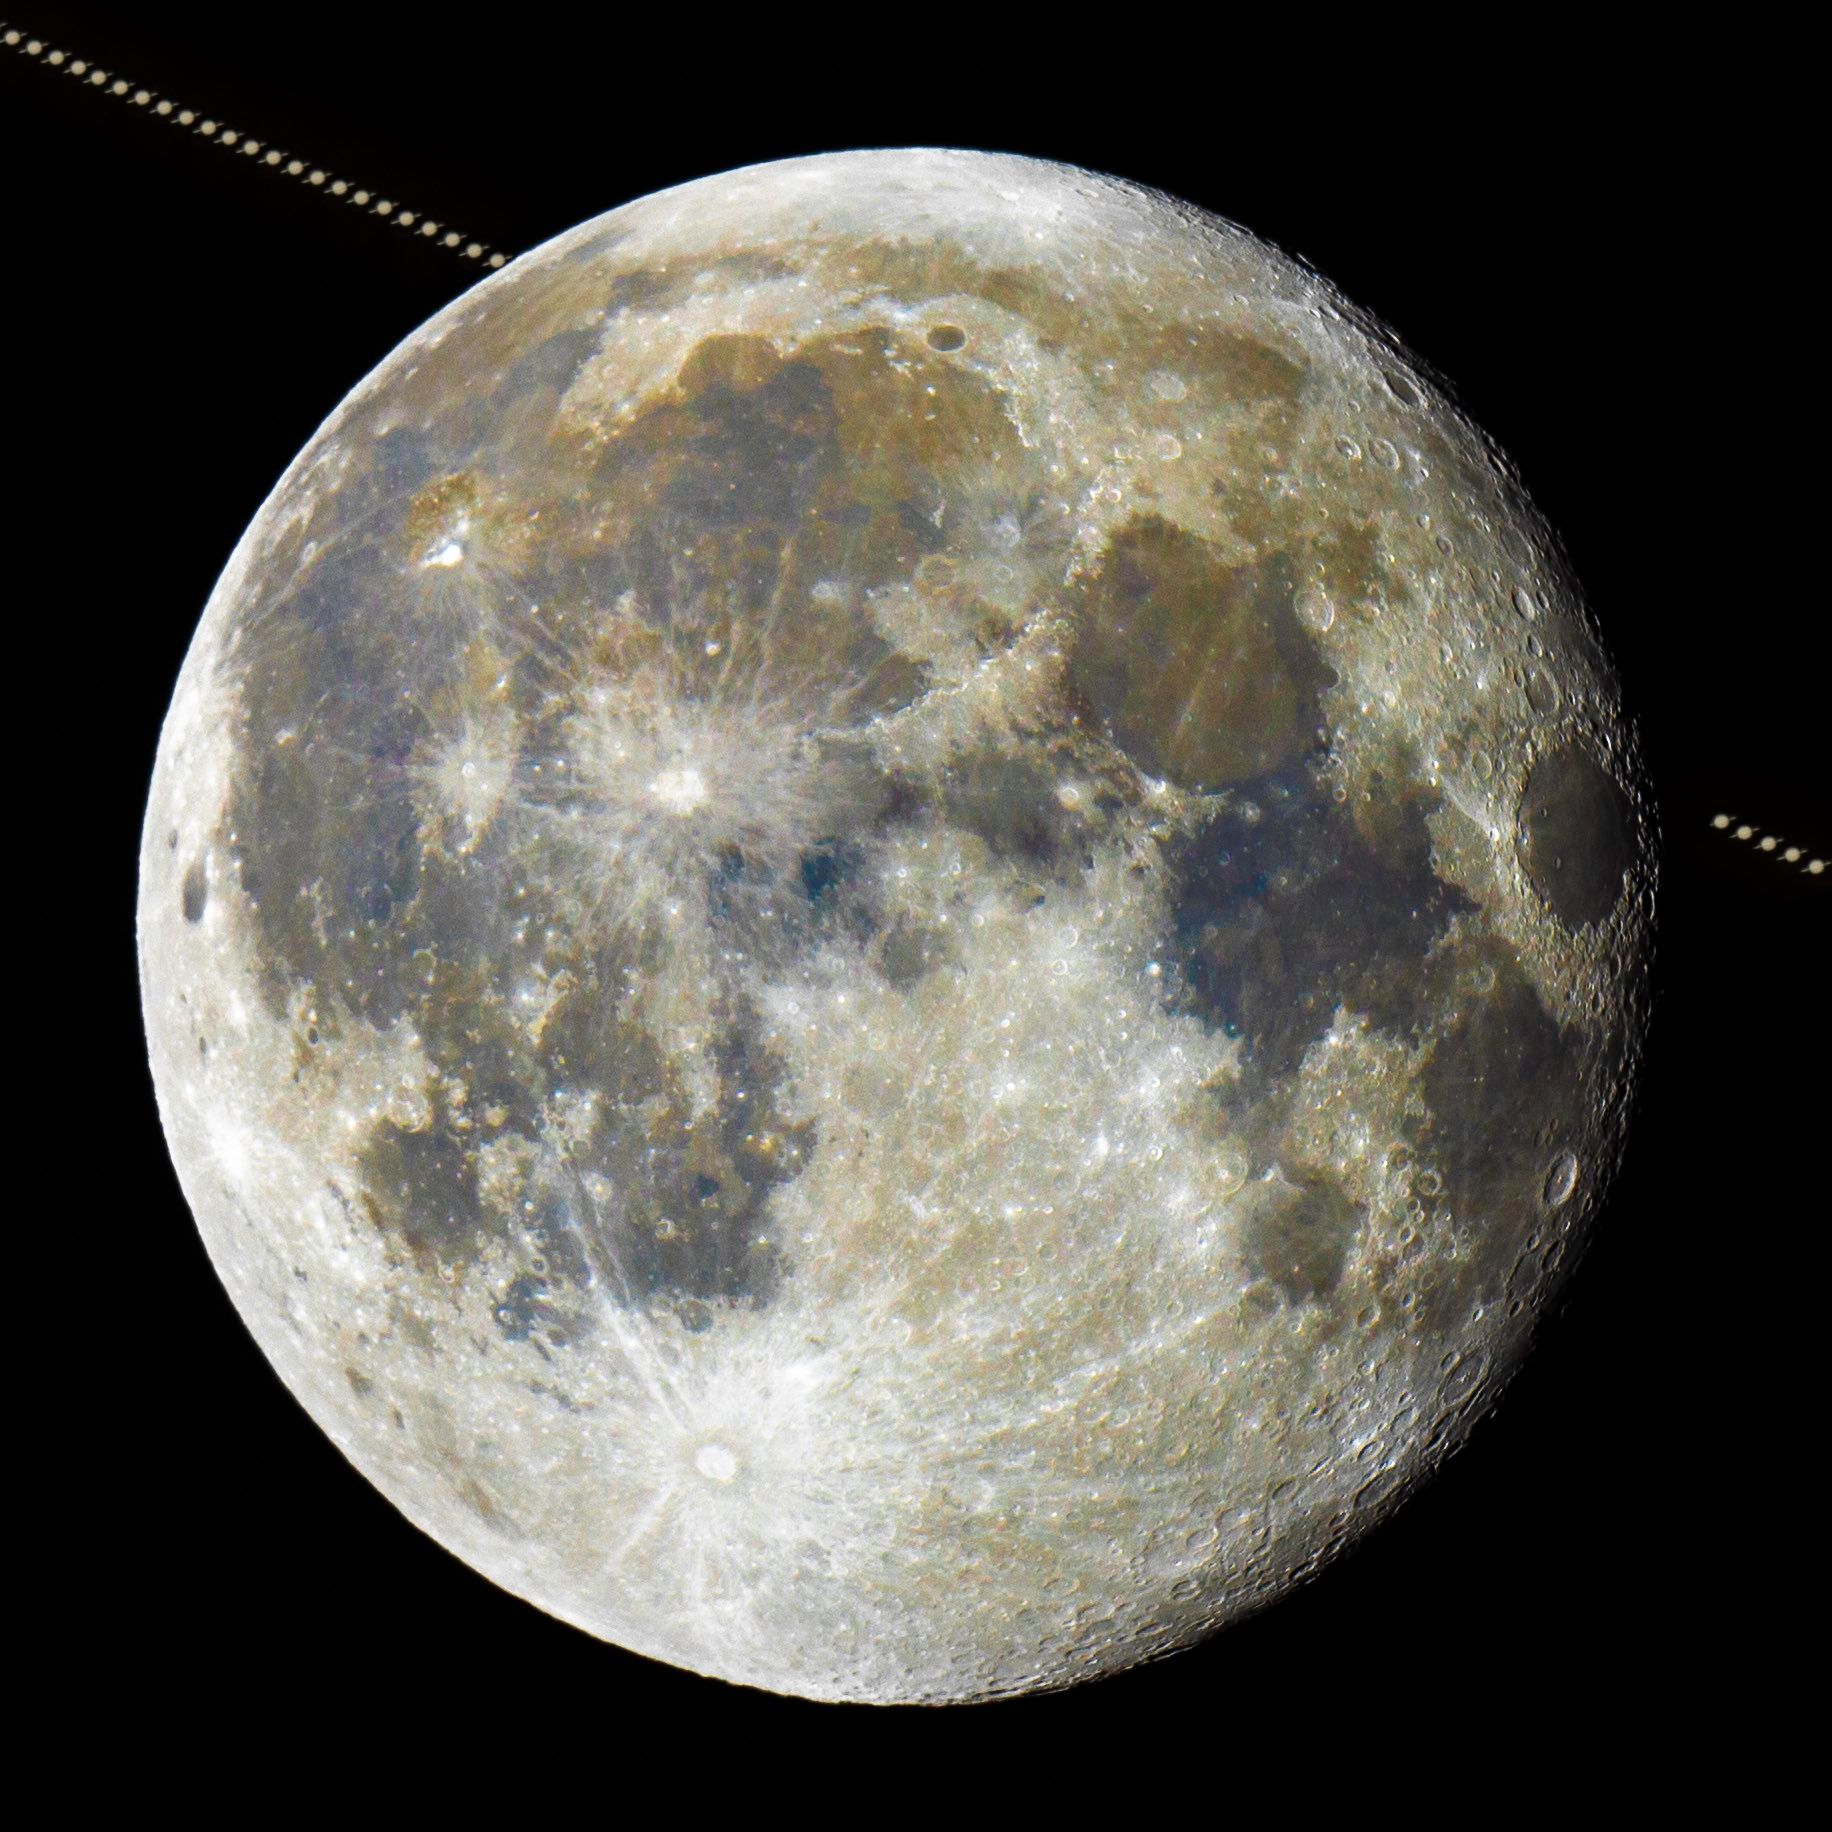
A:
1602,254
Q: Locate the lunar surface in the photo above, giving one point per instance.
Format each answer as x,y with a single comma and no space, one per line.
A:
893,921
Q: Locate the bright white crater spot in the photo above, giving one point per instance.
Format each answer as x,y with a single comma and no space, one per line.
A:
716,1463
680,790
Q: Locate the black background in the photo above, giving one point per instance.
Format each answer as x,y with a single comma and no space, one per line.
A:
1600,248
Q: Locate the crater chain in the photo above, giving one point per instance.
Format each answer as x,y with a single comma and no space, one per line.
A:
218,133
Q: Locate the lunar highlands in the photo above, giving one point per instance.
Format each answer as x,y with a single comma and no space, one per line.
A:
893,922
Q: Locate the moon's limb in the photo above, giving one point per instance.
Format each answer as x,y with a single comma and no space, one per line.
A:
892,921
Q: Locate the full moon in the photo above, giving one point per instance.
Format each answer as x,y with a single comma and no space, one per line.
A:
893,922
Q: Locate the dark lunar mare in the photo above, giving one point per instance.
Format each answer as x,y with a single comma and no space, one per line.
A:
1285,910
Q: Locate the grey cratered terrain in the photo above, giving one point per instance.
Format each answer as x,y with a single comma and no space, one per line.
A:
893,921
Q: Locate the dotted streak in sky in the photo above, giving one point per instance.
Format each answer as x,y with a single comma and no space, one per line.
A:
1768,842
207,127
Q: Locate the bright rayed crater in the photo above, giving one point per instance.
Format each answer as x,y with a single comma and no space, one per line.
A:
893,920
